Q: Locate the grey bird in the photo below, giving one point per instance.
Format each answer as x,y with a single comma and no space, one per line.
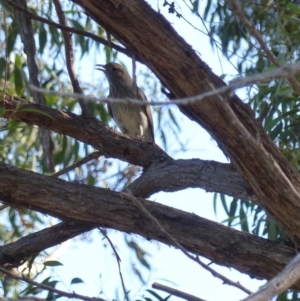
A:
133,120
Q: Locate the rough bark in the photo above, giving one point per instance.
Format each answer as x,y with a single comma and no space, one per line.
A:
147,34
93,206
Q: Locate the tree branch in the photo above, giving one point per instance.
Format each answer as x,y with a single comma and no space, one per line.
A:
14,254
88,130
175,292
209,175
175,243
242,138
192,173
237,83
280,283
92,156
100,207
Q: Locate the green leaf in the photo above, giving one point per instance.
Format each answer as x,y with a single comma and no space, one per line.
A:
11,37
207,8
18,78
2,111
274,133
2,66
174,119
195,5
232,211
42,39
163,138
138,274
243,219
294,7
224,203
76,280
157,296
215,202
54,36
107,53
52,263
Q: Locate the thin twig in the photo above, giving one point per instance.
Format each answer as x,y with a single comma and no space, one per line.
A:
22,298
48,288
175,292
134,74
84,160
70,59
254,32
179,246
118,261
71,29
236,83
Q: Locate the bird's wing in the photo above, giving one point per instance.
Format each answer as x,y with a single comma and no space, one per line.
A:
141,95
109,108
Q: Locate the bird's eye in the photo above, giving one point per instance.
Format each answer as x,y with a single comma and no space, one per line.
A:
114,69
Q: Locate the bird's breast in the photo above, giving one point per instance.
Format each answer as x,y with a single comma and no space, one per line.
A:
132,120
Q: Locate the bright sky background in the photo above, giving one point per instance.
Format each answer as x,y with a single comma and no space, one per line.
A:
87,259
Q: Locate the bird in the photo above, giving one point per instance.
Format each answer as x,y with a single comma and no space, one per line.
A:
132,119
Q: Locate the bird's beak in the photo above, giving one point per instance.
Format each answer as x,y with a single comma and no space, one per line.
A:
100,67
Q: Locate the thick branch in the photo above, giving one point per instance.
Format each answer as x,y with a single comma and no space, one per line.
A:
194,173
230,122
86,129
209,175
13,254
102,207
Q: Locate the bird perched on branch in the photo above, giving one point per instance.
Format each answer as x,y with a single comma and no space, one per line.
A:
132,119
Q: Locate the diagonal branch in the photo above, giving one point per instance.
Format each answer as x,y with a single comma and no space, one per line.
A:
92,156
280,283
176,292
14,254
196,259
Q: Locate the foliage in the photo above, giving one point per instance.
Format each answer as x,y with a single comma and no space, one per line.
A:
276,104
20,144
